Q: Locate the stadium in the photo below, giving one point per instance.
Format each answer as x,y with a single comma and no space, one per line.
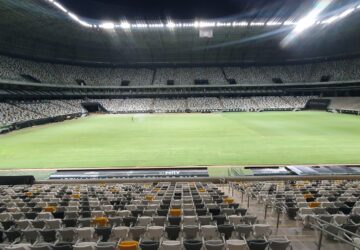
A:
179,125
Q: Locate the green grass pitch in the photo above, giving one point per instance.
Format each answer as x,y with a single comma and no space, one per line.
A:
185,140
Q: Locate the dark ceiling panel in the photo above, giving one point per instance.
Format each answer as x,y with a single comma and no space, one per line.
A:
34,29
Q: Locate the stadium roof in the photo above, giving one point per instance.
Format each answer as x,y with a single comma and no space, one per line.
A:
38,29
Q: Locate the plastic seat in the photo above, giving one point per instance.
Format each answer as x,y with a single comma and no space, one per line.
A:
171,245
262,230
175,212
115,221
100,221
129,221
44,216
220,219
67,234
85,233
159,220
189,220
241,211
155,232
244,230
209,231
70,222
279,244
226,229
214,245
144,220
257,244
292,212
172,231
23,224
49,235
249,219
149,245
31,235
84,222
120,232
19,246
355,218
332,210
205,220
237,245
201,211
85,246
106,246
190,231
193,244
124,213
13,234
174,220
345,209
214,211
62,246
128,245
7,224
137,232
103,232
235,219
41,246
53,224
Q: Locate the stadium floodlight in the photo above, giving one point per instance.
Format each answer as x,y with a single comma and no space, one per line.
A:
85,24
188,24
139,25
156,25
273,23
346,12
222,24
60,6
107,25
204,24
243,24
73,16
257,24
330,20
289,23
125,25
310,19
171,25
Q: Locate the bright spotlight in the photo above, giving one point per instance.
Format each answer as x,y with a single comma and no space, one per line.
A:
347,12
310,19
170,25
60,6
107,25
125,25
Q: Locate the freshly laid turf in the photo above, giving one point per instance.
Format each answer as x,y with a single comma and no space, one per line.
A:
186,139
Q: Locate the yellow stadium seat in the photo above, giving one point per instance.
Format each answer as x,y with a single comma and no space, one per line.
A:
128,245
306,196
149,197
100,221
314,204
228,200
75,196
51,209
175,212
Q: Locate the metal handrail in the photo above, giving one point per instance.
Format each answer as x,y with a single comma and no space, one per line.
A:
320,224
